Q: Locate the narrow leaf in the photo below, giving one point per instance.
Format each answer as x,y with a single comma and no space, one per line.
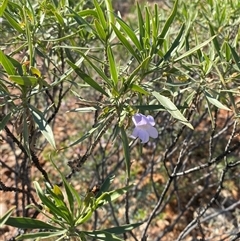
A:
103,236
24,80
122,229
98,70
105,186
43,125
29,223
3,7
141,24
235,56
56,211
194,49
101,16
68,72
216,102
101,32
126,150
5,217
168,23
126,43
139,89
129,32
6,63
86,78
172,109
13,22
113,69
4,120
41,235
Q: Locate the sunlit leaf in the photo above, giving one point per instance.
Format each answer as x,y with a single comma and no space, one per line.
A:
24,80
126,150
13,22
171,108
4,120
191,51
29,223
5,217
86,78
43,126
3,7
215,102
113,68
6,63
44,235
168,24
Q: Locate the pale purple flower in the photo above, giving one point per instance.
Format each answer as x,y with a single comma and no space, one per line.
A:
144,127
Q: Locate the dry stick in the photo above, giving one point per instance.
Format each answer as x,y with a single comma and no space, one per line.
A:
171,177
169,228
209,217
4,188
152,215
78,163
216,195
213,161
33,155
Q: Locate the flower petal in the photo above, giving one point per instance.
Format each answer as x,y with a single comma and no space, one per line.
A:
139,119
143,135
135,133
151,120
152,132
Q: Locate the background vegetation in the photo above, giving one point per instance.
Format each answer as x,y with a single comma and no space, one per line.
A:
72,75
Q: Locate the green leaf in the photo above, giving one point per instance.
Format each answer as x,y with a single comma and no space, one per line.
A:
54,210
141,67
125,42
68,189
87,79
58,201
111,18
215,41
101,235
121,229
3,7
175,44
68,72
113,69
5,217
29,223
98,70
129,32
88,134
4,120
24,80
215,102
43,125
6,63
172,109
106,184
148,107
101,32
141,24
41,235
189,52
13,22
101,16
139,89
167,24
108,197
126,150
235,56
83,109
